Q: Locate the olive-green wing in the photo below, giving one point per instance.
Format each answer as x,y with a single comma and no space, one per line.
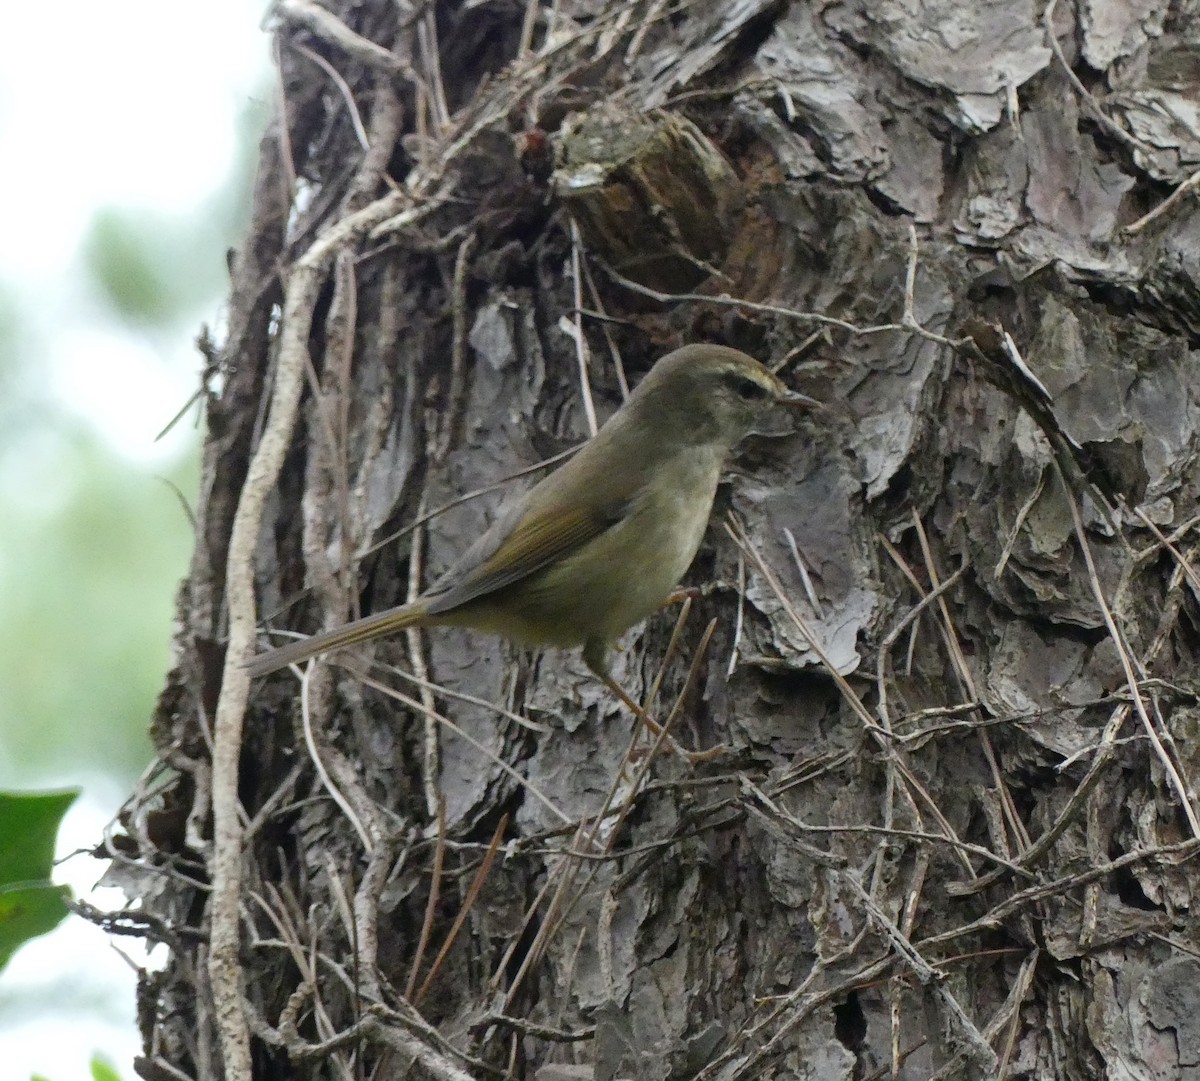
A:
535,542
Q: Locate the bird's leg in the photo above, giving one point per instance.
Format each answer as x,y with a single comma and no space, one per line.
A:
595,656
691,757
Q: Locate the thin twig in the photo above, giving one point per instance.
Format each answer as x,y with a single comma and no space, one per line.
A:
849,695
360,132
435,885
890,639
996,915
1093,106
1188,186
458,347
1022,514
740,620
802,570
305,677
1132,678
329,27
462,734
414,639
460,918
581,350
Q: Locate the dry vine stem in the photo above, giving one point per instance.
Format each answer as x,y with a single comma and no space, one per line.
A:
392,213
225,860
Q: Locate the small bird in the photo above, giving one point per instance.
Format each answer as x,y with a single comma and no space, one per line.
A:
600,543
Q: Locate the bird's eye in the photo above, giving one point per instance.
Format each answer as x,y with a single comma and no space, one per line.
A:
749,390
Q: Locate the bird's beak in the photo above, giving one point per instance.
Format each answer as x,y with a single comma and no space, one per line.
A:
797,400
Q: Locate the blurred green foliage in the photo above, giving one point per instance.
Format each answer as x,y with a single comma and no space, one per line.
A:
149,269
93,547
93,544
153,269
22,408
103,1071
135,263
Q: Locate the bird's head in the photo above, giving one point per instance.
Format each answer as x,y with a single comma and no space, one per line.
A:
711,393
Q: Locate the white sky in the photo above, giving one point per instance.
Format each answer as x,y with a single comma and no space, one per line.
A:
130,103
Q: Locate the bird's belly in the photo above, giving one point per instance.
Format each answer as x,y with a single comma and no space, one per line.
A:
617,579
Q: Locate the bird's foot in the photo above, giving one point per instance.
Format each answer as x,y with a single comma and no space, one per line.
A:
685,593
692,758
698,758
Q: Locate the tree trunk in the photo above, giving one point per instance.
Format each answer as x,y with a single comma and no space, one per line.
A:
955,650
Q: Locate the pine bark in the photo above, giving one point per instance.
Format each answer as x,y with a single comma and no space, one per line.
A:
954,657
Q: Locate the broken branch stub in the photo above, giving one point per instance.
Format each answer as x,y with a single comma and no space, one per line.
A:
653,196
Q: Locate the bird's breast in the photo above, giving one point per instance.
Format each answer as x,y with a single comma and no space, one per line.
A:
634,566
620,576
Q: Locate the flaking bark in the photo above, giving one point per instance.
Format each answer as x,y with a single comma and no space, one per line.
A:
956,834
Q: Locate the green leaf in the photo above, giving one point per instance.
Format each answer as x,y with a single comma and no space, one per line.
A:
29,823
28,911
30,904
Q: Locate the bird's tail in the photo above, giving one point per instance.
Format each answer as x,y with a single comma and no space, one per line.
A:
361,630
